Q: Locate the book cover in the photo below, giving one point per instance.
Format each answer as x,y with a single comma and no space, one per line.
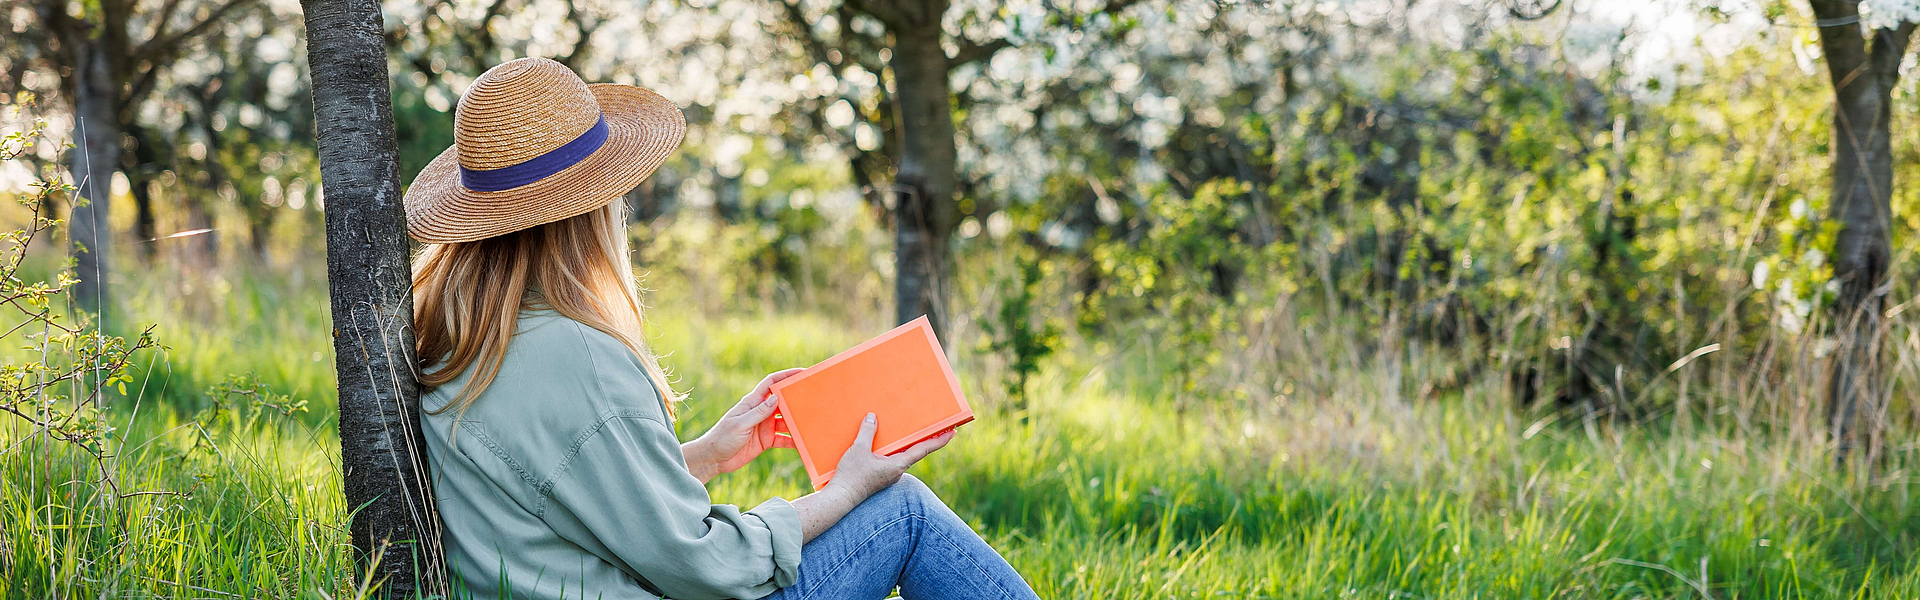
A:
902,377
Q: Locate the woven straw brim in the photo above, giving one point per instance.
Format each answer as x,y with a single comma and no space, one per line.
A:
643,130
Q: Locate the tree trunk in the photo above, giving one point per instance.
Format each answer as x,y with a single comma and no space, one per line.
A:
1862,80
144,229
395,528
213,173
146,162
923,204
260,235
95,157
203,249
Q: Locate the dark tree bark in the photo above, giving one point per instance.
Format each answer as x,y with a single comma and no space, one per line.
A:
95,158
395,527
921,137
146,161
924,209
1863,78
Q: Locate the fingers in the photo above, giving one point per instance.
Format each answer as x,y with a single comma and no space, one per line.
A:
776,376
767,382
761,391
765,409
914,453
773,432
745,403
864,439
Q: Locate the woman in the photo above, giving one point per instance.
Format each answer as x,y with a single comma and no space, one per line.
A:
549,423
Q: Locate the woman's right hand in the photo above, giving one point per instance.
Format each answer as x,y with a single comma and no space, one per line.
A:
863,472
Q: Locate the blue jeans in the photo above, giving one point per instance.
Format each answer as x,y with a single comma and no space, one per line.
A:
903,536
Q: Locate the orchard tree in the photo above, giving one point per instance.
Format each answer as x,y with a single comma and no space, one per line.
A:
908,41
395,527
111,55
1863,63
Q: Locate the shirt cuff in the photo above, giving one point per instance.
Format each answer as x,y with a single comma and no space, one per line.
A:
784,522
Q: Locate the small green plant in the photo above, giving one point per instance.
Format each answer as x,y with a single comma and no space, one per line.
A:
56,383
1182,278
1015,333
239,403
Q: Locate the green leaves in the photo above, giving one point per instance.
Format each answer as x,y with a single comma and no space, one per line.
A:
59,389
1184,275
1021,329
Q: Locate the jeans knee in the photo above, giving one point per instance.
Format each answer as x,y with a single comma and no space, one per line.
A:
908,495
912,485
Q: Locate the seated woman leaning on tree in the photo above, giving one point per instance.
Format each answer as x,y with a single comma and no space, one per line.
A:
549,424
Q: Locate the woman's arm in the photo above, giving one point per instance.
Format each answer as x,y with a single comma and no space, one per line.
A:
748,430
820,510
741,434
860,473
630,472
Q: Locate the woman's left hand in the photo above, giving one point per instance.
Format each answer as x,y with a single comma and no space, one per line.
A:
747,430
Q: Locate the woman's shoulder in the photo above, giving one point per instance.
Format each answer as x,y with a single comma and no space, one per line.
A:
559,385
557,365
558,341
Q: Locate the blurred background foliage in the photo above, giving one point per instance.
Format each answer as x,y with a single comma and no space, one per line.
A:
1399,240
1573,203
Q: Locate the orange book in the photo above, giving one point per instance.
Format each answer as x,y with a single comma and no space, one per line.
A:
902,377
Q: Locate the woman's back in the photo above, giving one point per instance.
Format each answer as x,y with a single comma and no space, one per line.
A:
563,477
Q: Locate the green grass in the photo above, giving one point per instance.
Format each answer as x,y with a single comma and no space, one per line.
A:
1105,491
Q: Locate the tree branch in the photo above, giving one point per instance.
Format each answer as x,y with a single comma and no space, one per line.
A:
1840,39
971,51
160,22
1116,6
803,29
1113,7
160,51
818,49
478,42
1889,48
160,46
884,10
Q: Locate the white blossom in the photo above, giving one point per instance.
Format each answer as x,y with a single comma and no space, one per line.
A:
1814,258
1887,14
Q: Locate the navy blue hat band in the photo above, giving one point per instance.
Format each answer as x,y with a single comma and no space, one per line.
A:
538,167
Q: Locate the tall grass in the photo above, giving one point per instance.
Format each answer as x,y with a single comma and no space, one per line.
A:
1335,480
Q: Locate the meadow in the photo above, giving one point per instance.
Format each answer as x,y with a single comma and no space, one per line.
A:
1468,299
1337,484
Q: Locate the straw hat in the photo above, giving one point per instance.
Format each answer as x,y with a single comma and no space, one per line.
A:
534,144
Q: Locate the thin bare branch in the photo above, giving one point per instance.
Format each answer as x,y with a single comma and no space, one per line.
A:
971,51
884,10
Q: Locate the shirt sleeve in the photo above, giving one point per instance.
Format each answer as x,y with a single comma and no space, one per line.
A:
628,485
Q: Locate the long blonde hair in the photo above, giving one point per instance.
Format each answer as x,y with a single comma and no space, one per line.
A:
467,297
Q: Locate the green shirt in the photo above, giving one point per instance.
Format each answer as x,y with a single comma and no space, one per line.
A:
564,480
